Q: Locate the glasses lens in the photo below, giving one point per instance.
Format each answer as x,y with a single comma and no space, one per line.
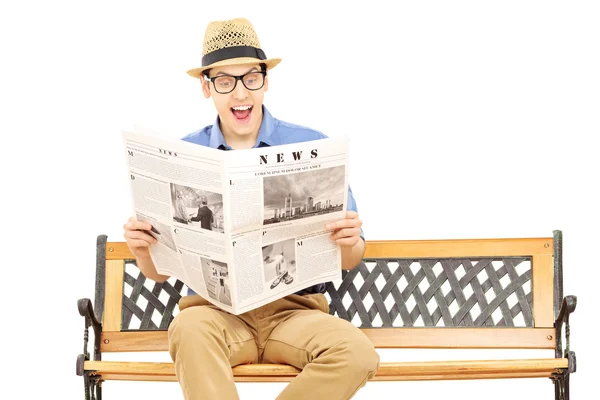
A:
224,84
253,81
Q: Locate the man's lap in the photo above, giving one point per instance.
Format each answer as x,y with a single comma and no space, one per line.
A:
292,330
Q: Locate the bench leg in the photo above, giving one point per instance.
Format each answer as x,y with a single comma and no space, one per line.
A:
561,386
92,386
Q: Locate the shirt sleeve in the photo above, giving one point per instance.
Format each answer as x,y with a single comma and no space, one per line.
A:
352,207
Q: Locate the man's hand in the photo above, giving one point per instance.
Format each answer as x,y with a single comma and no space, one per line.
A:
137,237
346,232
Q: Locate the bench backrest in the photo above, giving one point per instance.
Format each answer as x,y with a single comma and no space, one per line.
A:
478,293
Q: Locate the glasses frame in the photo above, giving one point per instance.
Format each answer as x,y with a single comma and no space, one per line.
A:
237,78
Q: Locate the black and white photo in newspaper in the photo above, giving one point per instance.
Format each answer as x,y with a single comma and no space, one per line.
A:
210,279
303,194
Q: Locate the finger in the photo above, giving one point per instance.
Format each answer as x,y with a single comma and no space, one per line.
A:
344,233
140,235
351,214
137,225
344,223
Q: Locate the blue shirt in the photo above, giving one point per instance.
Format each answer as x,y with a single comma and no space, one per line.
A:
272,132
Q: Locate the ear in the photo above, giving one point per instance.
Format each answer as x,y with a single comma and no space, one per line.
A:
266,86
205,87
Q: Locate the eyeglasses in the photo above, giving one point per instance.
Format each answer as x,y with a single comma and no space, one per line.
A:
226,83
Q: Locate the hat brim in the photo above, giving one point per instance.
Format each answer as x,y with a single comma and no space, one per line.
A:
271,63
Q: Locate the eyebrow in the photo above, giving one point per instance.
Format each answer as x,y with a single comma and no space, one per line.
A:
250,70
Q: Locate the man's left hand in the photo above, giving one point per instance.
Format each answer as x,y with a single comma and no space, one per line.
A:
346,232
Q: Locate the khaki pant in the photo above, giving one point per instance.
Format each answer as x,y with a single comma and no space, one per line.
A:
336,358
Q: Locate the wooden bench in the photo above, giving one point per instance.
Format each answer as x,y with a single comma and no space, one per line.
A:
458,294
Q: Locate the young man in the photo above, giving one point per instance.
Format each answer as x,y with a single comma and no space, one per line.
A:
336,358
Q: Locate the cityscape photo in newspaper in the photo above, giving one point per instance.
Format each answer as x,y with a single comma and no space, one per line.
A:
303,194
240,228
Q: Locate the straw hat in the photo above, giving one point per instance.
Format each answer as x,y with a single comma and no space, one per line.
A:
231,42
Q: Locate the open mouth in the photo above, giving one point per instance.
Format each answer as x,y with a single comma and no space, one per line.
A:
242,113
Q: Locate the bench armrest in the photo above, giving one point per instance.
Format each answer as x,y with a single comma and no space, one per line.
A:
86,310
567,307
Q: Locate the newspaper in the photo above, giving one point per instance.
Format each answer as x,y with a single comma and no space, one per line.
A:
240,228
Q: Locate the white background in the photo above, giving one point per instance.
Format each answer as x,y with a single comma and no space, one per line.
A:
468,119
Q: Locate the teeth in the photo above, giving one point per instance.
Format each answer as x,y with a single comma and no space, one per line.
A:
241,108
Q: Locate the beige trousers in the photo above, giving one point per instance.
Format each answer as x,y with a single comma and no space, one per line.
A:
336,358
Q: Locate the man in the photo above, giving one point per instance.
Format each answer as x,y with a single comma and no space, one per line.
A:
205,214
336,358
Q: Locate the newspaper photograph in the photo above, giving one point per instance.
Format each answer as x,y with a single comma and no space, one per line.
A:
304,194
240,228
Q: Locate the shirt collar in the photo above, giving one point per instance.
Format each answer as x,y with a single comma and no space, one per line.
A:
265,133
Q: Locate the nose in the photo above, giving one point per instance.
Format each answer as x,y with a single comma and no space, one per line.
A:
240,92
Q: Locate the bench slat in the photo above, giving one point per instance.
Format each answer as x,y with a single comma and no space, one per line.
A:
543,290
458,248
448,338
114,294
265,378
429,370
418,248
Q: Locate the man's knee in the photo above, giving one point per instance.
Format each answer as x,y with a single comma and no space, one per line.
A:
354,353
363,359
197,323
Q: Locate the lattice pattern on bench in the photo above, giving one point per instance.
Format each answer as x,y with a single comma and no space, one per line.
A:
382,293
436,292
148,305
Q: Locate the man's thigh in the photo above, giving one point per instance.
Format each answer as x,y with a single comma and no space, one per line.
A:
307,334
205,320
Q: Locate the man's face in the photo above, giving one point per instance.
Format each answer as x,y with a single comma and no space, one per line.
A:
240,111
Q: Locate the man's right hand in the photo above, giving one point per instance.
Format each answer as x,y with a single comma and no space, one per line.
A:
137,237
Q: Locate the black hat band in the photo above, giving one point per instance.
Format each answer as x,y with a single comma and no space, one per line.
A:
233,52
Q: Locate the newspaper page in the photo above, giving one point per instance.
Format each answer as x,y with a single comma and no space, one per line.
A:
240,228
281,199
